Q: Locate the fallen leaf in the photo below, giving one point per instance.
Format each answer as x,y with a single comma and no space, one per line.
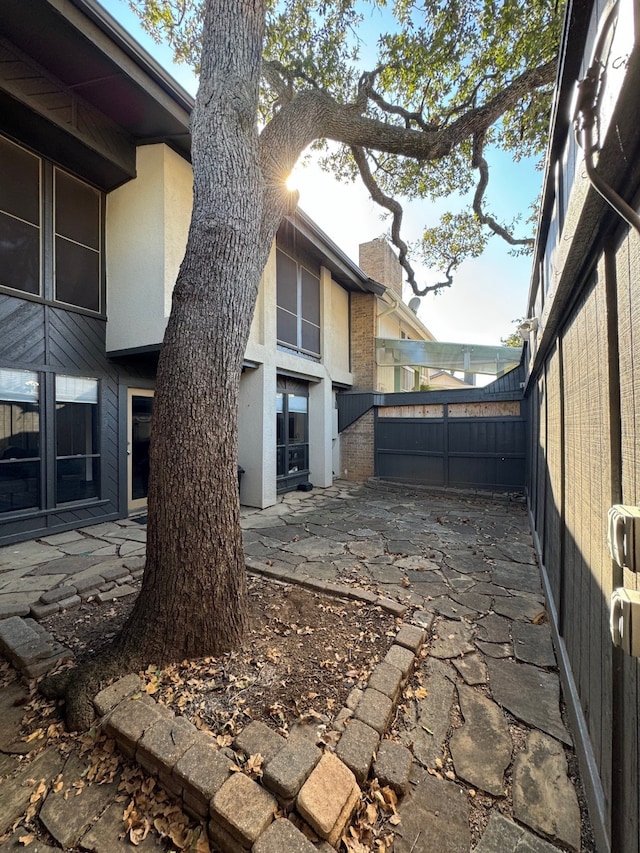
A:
37,794
34,736
179,835
138,834
254,765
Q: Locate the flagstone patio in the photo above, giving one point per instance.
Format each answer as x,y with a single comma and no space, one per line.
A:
489,721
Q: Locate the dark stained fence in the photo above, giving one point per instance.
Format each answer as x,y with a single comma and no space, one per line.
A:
584,456
455,450
475,438
467,438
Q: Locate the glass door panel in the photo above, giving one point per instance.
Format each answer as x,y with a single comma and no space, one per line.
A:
292,436
139,432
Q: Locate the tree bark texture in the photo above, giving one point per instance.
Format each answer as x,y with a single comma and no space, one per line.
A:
193,597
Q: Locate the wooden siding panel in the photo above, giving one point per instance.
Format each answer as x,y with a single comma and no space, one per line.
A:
588,483
23,332
77,342
541,445
109,446
533,402
411,411
502,409
572,406
511,382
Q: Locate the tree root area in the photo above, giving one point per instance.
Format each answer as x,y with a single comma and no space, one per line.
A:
302,655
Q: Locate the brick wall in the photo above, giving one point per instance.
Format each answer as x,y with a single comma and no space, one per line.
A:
363,341
356,449
380,263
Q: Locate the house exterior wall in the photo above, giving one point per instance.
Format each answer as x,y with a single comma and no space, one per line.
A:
581,392
258,388
363,335
144,199
54,342
153,210
147,221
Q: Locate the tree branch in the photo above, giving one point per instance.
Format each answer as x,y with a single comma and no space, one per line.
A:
365,89
470,102
395,208
478,162
481,118
280,78
314,114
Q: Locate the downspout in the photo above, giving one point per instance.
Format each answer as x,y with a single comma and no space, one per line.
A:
585,118
394,304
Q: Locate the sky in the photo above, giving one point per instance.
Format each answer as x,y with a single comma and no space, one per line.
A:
488,294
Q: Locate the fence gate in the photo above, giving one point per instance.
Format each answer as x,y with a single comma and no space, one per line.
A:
458,444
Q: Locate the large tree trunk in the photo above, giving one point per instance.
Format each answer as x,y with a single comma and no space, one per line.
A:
193,598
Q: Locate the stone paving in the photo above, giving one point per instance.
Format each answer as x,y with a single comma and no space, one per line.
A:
462,566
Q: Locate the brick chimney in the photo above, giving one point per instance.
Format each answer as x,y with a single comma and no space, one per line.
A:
379,262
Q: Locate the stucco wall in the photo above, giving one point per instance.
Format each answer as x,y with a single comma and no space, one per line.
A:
147,222
147,225
258,388
337,339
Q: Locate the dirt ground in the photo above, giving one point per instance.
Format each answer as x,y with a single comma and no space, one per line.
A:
303,654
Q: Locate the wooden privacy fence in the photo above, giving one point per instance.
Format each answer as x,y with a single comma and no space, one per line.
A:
463,445
467,438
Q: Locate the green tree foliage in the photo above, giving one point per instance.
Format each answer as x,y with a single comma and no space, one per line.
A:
457,78
514,339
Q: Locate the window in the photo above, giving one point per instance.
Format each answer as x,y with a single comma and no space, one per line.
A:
77,451
19,218
408,381
19,440
45,212
77,242
298,305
